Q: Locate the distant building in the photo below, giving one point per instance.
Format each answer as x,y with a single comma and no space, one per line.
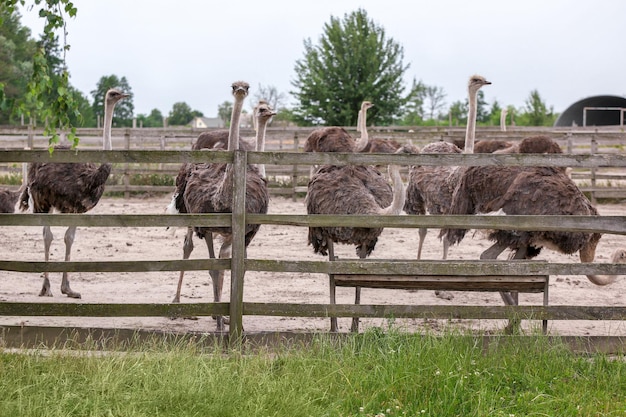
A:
207,122
594,111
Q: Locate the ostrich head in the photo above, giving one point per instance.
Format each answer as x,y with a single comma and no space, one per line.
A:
263,111
475,82
240,89
114,95
366,105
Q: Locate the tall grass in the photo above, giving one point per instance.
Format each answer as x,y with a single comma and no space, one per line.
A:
372,374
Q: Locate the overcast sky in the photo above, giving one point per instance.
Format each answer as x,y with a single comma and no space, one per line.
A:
192,50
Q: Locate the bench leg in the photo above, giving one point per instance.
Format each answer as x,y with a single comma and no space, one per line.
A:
333,299
357,301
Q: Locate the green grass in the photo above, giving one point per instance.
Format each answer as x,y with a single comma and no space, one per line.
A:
372,374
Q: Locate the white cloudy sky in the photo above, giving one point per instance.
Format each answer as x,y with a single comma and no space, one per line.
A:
192,50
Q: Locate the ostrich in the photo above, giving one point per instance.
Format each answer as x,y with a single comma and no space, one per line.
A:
364,143
352,189
515,190
207,140
430,188
208,188
68,188
9,198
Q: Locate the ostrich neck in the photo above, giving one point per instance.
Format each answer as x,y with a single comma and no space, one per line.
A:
361,143
587,255
108,122
397,203
233,131
260,141
470,133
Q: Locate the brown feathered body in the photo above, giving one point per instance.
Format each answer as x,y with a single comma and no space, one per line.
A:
430,188
491,146
329,139
65,187
218,139
378,145
351,189
515,190
8,200
208,188
533,144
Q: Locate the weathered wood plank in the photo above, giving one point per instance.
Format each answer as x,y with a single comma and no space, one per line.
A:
113,310
599,224
379,267
520,283
316,310
311,158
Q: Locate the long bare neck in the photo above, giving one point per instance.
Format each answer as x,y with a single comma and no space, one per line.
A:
361,143
233,132
470,133
587,255
397,202
108,123
260,140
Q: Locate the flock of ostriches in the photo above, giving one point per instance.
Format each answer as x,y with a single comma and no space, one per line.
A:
349,189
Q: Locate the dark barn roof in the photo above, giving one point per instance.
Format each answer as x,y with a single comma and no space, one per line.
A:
574,113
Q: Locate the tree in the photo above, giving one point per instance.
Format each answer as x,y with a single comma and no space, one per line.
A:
270,94
154,119
16,56
434,100
123,114
33,103
413,113
536,112
354,61
181,114
224,111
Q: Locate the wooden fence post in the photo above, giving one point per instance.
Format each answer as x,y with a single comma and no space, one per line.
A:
238,249
30,140
126,166
294,174
594,150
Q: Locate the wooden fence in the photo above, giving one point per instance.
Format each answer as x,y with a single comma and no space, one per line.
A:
238,264
289,180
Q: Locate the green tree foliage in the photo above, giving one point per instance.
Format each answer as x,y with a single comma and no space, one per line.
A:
154,119
413,113
354,61
182,114
123,114
224,111
43,81
535,112
16,56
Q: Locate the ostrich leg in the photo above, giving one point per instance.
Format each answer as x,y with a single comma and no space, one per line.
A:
47,240
422,235
217,277
65,282
187,249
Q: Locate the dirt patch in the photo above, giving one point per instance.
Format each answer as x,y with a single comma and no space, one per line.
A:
272,242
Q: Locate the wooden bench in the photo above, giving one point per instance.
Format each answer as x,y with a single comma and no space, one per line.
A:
498,283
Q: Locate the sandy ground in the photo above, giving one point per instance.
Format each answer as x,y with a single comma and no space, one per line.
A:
272,242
